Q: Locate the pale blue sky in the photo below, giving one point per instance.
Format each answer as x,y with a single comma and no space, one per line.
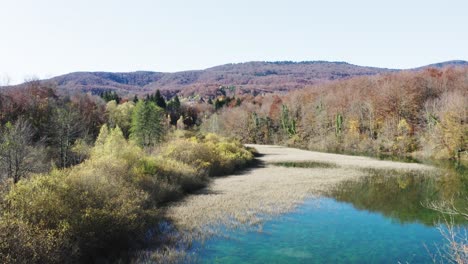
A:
44,38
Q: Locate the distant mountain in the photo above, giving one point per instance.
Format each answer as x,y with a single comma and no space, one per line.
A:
460,63
250,77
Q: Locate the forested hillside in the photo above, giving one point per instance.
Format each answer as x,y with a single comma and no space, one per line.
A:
424,113
251,77
241,78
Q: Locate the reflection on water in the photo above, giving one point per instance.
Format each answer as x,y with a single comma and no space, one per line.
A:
404,196
332,232
377,219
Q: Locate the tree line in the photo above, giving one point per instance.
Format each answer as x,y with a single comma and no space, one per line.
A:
422,113
41,128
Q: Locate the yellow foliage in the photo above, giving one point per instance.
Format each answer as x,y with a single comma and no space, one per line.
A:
211,153
403,127
110,199
403,182
353,127
120,115
454,132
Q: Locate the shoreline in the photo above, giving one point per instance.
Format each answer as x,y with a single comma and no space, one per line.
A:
260,193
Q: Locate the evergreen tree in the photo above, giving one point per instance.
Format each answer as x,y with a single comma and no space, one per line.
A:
218,103
147,124
109,96
116,97
173,107
176,102
159,100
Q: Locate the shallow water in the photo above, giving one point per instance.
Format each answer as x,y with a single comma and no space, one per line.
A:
378,219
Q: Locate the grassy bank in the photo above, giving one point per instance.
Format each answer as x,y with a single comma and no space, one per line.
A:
108,203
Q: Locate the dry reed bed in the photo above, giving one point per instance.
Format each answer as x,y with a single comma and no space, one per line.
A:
260,193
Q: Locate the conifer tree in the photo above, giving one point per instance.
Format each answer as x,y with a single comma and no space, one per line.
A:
174,109
147,124
159,100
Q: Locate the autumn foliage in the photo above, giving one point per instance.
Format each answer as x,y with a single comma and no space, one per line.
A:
422,112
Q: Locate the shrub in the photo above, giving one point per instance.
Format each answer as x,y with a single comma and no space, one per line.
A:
88,210
211,154
110,201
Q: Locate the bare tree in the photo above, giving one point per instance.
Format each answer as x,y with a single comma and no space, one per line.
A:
63,131
16,153
456,237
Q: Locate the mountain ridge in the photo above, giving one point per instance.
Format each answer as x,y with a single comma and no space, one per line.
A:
251,77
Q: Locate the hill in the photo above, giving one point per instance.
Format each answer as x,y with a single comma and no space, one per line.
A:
250,77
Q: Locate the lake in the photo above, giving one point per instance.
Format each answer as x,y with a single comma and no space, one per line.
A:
376,219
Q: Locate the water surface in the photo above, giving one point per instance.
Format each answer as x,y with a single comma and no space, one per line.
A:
381,218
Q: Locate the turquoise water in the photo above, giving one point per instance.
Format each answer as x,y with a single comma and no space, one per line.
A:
330,232
378,219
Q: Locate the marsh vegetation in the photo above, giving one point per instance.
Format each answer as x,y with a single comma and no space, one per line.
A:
245,206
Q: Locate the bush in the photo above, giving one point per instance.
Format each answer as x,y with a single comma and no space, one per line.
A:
86,211
210,154
110,201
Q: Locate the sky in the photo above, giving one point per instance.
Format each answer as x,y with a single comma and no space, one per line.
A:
45,38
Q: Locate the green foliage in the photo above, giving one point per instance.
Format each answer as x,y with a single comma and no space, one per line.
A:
221,102
110,96
288,123
148,127
338,124
120,115
174,109
174,104
401,194
157,98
